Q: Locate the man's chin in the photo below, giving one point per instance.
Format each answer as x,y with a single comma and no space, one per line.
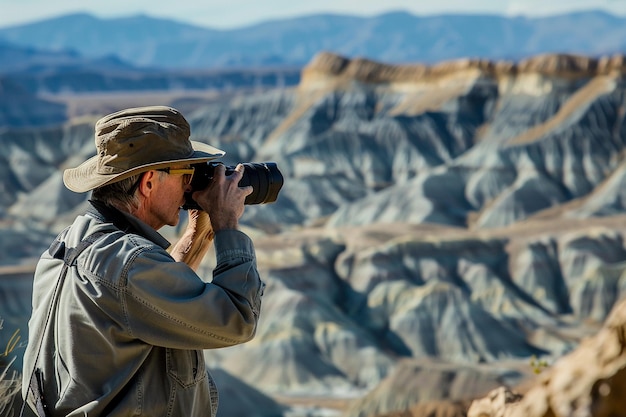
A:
175,219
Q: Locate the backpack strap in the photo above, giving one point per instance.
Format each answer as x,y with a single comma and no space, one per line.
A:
58,251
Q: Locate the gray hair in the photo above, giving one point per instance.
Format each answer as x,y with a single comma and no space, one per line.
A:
121,194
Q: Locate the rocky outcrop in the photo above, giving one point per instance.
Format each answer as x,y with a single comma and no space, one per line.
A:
331,66
589,381
433,386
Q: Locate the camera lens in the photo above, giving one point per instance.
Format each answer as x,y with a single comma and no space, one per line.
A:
265,179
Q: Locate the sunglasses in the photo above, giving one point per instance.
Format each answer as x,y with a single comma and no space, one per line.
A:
187,173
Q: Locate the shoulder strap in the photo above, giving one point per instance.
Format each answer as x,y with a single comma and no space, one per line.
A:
58,251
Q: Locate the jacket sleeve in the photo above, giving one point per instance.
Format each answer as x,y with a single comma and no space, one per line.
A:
167,304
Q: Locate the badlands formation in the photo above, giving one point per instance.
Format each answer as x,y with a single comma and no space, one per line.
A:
439,227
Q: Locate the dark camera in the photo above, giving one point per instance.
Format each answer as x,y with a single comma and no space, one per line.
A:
264,177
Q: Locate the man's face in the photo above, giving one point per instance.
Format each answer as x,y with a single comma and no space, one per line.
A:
167,196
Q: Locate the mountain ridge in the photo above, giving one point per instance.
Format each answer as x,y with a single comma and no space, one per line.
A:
369,71
395,37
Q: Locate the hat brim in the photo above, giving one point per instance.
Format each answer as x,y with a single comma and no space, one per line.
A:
85,177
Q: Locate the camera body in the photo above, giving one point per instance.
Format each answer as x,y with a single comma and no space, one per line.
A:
264,177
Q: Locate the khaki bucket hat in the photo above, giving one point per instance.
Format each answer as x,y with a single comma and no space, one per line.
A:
136,140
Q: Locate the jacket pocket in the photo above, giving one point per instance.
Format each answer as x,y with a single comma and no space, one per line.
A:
185,366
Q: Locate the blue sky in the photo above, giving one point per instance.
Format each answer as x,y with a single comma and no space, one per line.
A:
224,14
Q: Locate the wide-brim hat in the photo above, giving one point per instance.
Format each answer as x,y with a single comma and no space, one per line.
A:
136,140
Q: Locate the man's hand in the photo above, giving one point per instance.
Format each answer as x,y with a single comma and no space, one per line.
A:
223,199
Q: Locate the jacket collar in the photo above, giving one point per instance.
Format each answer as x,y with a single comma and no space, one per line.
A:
126,222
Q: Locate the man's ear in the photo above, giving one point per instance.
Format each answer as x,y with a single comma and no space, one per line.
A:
147,182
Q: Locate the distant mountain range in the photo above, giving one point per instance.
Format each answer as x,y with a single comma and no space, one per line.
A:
143,41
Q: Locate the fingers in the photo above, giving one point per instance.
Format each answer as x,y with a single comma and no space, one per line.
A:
238,175
224,199
240,168
232,180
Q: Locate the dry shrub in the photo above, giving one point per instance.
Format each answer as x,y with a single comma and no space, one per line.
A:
10,386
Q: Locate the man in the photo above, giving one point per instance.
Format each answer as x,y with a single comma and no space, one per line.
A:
123,331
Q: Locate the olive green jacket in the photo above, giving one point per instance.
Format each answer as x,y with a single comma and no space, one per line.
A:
127,333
